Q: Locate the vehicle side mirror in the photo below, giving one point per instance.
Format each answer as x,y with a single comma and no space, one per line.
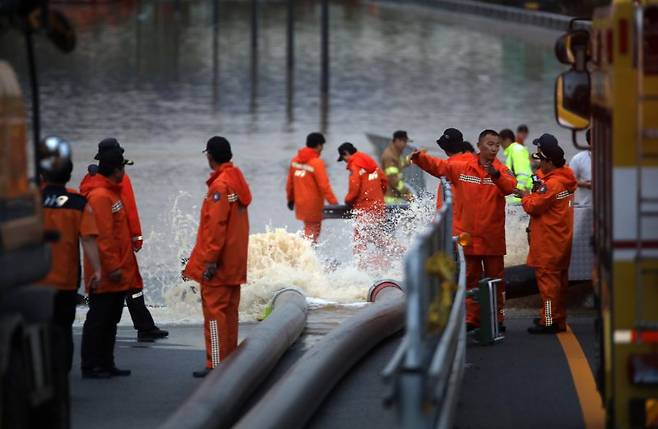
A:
572,99
573,48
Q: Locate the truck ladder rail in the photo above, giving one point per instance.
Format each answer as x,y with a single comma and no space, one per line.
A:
645,209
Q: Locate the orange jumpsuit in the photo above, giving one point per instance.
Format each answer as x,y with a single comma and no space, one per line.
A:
456,202
367,186
551,233
482,204
116,253
114,239
130,205
68,213
308,187
223,240
128,198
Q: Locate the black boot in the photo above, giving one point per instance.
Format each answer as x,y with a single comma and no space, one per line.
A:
202,373
151,335
116,372
96,372
551,329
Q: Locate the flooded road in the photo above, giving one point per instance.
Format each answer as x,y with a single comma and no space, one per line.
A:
164,76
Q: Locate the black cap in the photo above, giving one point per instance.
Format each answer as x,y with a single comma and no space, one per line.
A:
346,147
314,140
401,135
220,149
110,159
110,143
549,149
451,140
545,140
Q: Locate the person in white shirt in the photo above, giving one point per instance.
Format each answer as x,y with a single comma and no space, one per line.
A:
581,164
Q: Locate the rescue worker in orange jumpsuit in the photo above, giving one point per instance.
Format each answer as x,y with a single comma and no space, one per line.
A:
308,186
118,267
219,258
365,195
550,206
142,320
481,183
67,212
452,143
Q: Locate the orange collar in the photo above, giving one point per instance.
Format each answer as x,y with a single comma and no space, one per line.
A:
219,170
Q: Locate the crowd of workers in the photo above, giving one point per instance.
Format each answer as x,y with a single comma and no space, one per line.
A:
482,186
103,217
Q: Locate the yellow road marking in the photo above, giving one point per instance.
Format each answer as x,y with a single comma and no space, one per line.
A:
581,373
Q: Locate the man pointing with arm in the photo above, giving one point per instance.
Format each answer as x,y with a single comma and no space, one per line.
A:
480,183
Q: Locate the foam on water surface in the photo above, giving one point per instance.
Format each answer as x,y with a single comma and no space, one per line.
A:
327,273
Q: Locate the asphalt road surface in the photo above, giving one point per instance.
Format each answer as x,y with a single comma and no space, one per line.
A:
522,382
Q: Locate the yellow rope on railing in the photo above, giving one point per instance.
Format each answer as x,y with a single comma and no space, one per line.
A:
439,264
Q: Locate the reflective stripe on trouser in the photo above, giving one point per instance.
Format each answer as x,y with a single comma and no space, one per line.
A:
552,287
312,230
478,267
139,313
220,316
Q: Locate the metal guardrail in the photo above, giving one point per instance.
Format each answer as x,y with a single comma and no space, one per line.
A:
426,370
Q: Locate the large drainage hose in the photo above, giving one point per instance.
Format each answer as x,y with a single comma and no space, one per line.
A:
520,281
217,401
293,400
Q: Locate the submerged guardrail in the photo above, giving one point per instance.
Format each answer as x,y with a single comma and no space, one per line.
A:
425,372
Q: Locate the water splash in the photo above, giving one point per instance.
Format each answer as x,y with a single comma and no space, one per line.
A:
278,258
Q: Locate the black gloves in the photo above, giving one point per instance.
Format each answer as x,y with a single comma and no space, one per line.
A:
291,205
